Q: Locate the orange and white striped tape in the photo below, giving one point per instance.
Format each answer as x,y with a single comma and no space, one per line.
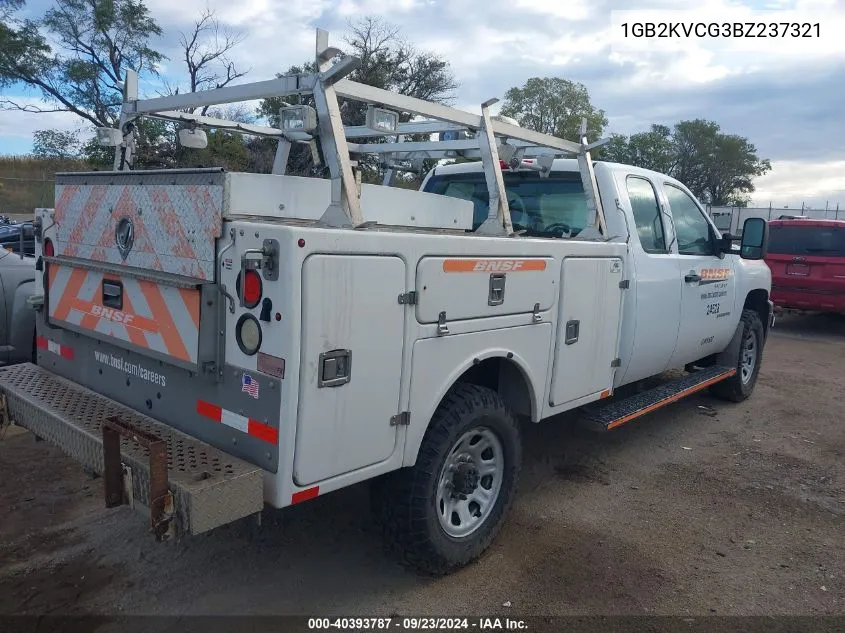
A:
156,317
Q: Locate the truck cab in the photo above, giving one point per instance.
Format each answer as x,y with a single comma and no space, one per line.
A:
686,284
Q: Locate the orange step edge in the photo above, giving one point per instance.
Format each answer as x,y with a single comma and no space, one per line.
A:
671,399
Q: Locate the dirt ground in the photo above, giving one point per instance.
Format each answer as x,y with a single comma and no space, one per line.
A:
699,509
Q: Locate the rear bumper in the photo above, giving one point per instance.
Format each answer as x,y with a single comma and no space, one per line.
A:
807,299
209,487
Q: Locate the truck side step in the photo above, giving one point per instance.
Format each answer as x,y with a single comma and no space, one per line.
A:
617,413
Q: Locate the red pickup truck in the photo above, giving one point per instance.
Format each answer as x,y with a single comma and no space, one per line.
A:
807,260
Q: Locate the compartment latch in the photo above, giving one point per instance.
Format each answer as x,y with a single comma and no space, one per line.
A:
335,368
496,296
572,331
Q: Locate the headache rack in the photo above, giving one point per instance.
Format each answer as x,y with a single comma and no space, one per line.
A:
460,134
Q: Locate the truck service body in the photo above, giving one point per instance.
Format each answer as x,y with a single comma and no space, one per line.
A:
264,338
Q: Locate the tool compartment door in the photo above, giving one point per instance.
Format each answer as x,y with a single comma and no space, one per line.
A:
588,328
152,318
349,305
479,287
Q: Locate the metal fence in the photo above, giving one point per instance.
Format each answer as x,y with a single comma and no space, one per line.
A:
21,195
730,219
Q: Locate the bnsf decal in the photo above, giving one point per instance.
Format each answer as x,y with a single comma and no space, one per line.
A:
114,315
492,265
495,267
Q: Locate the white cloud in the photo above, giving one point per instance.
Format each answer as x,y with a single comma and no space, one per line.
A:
792,182
571,10
16,125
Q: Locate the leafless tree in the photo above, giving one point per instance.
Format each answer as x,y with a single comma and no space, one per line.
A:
205,51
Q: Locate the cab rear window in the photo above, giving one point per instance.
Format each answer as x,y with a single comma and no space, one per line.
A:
824,241
542,207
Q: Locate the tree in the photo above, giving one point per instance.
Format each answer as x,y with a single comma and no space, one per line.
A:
94,43
388,61
652,149
95,40
718,168
616,151
205,53
8,8
554,106
729,177
56,144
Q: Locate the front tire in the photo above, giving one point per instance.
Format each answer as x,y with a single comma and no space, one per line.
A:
444,512
747,360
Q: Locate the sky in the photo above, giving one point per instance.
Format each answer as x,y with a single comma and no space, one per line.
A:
787,95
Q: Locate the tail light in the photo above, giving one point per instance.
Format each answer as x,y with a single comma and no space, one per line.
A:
252,288
48,248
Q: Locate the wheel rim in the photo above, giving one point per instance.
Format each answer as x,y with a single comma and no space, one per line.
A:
469,482
749,357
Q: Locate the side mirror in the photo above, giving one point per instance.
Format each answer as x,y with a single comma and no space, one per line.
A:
755,239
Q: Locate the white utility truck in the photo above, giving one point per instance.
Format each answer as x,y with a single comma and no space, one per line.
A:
214,342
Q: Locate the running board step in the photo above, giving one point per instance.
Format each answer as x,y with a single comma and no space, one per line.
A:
617,413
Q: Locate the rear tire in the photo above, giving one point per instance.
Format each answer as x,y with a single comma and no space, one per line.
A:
442,513
747,361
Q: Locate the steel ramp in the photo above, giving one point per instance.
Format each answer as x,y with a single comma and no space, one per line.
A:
617,412
209,487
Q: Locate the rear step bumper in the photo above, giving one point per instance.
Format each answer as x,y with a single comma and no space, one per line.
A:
617,413
209,488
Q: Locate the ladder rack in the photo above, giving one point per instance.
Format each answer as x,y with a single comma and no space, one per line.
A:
475,136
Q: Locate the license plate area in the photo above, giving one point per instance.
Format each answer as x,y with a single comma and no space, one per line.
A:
799,270
147,316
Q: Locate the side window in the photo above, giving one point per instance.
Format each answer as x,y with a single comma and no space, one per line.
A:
692,230
646,214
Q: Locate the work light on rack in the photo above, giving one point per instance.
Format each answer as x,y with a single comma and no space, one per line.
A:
381,119
298,118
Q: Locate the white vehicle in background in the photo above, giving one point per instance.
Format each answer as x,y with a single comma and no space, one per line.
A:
262,339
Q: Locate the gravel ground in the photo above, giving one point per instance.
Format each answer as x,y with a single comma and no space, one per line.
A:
703,508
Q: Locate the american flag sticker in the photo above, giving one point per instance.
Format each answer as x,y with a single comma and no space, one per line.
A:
250,385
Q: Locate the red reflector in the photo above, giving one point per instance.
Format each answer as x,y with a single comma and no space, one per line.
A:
252,289
208,410
263,431
48,248
40,342
66,352
305,495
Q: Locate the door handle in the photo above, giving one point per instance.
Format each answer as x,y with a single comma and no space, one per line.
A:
113,294
692,277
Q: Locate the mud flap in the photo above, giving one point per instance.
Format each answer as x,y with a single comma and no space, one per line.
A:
728,356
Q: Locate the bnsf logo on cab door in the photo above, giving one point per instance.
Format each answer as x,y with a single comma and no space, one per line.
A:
113,315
